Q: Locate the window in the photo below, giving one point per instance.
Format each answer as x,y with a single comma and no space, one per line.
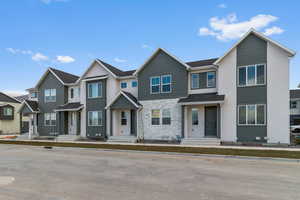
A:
7,111
166,117
72,93
123,118
134,84
166,83
33,95
293,104
155,85
195,117
253,114
195,81
123,85
211,79
252,75
94,90
155,117
95,118
50,119
50,95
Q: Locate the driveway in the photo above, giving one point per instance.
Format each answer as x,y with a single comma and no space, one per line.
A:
34,173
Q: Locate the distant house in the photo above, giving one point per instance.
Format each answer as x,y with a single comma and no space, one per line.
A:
295,107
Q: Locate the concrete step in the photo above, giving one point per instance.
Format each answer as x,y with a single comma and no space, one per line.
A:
122,139
201,141
63,138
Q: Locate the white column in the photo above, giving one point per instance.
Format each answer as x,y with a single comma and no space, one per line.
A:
108,124
186,128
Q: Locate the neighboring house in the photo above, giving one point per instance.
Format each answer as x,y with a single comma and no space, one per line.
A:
25,120
10,119
234,98
295,107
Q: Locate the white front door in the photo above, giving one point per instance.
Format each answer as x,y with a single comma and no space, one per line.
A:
125,123
196,129
72,123
32,125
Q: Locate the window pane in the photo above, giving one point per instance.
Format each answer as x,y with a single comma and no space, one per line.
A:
95,90
260,73
166,79
293,104
99,89
47,93
155,81
123,85
242,76
242,114
166,88
99,119
211,79
195,81
251,114
166,116
123,118
53,92
260,114
134,84
195,120
155,89
155,117
251,75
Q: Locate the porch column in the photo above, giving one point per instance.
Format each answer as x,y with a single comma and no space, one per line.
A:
186,122
109,114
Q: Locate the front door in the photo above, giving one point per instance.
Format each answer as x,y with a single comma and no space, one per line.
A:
72,123
196,129
125,122
211,121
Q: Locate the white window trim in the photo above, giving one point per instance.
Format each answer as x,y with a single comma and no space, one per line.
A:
46,101
155,84
162,84
101,114
195,88
50,119
161,117
215,82
101,91
265,113
5,114
125,117
255,84
123,82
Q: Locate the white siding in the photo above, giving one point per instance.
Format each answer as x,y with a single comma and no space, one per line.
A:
130,89
76,97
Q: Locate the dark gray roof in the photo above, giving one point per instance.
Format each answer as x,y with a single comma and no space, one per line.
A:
202,98
65,77
133,98
22,98
33,105
295,94
115,70
69,106
201,63
7,98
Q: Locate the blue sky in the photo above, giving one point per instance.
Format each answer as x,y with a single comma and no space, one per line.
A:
69,34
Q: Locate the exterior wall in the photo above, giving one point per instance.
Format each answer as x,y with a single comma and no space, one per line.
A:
203,82
163,64
252,50
76,97
11,126
122,103
161,132
50,82
226,80
295,111
130,89
278,95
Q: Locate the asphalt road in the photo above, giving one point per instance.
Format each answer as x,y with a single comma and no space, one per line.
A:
34,173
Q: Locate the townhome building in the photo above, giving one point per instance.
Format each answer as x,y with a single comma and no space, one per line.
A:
242,96
295,107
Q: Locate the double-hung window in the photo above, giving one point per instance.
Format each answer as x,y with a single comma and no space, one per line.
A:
50,119
94,90
293,104
166,116
95,118
123,85
7,111
155,84
166,83
195,81
50,95
252,114
211,79
155,117
251,75
134,83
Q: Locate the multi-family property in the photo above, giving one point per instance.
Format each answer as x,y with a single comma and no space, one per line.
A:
295,107
242,96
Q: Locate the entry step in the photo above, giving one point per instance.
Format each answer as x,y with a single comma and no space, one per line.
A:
67,138
201,141
125,139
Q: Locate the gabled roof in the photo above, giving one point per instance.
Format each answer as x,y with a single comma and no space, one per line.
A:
63,77
200,63
22,98
70,107
32,105
154,54
200,98
128,96
295,94
7,98
260,35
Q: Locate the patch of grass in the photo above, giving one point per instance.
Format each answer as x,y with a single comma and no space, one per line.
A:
175,149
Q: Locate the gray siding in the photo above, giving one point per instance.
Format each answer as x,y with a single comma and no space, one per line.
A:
252,50
96,104
50,82
25,110
163,64
122,103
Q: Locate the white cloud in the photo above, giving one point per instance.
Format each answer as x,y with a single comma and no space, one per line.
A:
39,57
65,59
50,1
119,60
229,28
145,46
19,51
222,5
273,30
14,93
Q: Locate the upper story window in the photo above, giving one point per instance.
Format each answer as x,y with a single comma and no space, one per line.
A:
94,90
166,83
195,80
251,75
252,114
7,111
123,85
134,83
72,93
293,104
211,79
155,85
33,95
50,95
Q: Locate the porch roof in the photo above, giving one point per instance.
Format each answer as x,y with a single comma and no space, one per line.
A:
76,106
29,106
124,100
207,98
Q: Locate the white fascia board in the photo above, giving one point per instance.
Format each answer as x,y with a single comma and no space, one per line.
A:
201,103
